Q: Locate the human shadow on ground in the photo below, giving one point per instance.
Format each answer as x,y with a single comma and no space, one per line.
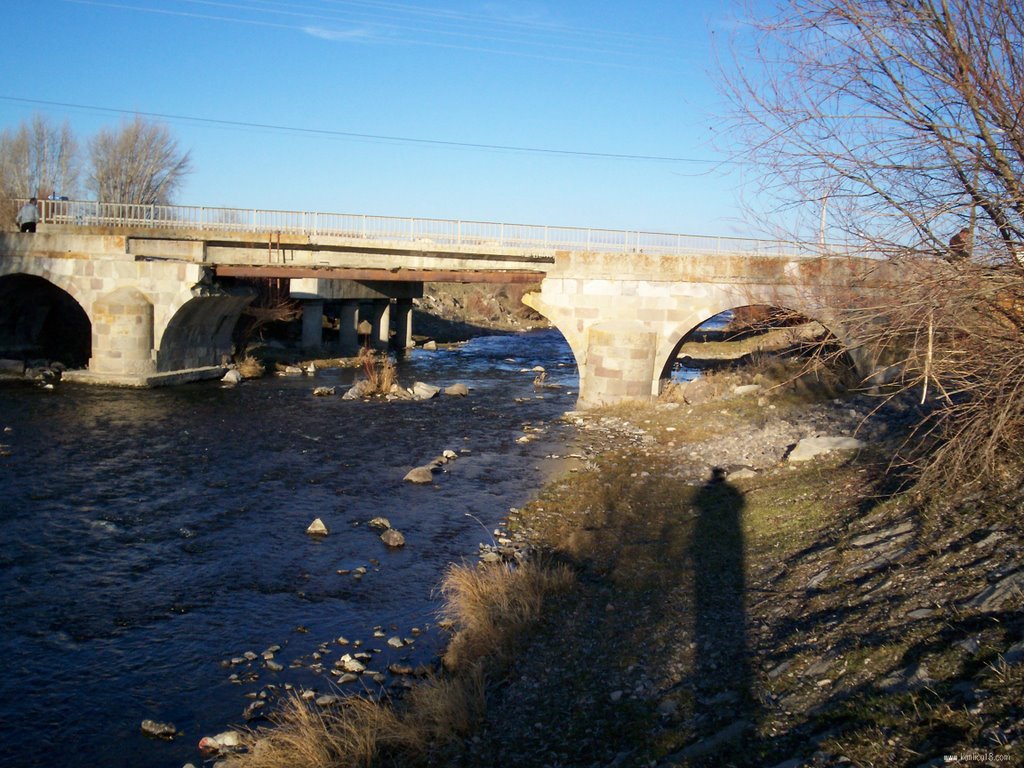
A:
723,705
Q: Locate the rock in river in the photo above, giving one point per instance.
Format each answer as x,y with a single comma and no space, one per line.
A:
420,475
393,538
317,528
156,730
423,391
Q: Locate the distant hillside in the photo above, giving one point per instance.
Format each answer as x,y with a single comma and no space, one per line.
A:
456,311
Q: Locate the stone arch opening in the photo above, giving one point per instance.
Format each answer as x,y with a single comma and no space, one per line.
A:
40,321
200,333
740,335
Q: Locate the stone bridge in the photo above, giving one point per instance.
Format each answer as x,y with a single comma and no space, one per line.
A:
149,306
626,316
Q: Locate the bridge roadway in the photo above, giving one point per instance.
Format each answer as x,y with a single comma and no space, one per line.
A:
156,288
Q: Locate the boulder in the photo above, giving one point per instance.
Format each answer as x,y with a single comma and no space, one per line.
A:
156,730
350,664
360,389
317,528
234,376
420,475
393,538
423,391
430,346
458,390
380,523
323,391
398,392
812,447
746,389
222,742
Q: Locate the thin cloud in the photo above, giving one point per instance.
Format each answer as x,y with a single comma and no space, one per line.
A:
338,35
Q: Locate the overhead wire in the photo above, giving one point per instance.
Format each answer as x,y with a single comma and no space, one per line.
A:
372,136
602,53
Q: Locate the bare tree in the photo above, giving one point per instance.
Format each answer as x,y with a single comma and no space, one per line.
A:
39,159
898,126
139,163
904,115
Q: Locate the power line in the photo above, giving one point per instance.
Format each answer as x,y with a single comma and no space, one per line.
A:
373,137
405,31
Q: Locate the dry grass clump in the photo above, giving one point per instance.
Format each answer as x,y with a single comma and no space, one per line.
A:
491,605
306,736
250,367
380,372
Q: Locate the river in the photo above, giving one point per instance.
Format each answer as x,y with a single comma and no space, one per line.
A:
148,538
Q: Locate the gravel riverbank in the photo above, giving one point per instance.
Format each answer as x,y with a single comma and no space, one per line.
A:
774,612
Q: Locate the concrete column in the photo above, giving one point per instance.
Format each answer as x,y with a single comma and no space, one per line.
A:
380,319
348,323
312,324
403,323
122,334
619,365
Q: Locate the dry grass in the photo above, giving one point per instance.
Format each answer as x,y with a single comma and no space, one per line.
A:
379,370
250,367
491,605
306,736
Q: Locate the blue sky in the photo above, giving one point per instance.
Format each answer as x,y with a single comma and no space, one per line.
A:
370,106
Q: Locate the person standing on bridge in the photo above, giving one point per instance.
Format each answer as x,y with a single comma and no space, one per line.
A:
28,216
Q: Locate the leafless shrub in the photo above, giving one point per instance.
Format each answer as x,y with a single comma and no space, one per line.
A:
957,342
896,129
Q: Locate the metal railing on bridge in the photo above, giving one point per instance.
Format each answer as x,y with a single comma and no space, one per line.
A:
392,229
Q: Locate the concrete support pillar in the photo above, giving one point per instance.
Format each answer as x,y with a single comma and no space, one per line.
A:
380,319
348,324
620,364
312,324
122,334
403,324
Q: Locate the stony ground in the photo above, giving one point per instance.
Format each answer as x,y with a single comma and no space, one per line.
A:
779,614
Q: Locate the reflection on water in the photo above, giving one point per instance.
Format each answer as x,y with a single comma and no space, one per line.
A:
148,536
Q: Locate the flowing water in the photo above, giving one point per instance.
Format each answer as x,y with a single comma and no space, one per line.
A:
147,538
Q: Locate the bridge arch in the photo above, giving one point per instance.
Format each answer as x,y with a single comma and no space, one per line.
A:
42,319
198,333
676,337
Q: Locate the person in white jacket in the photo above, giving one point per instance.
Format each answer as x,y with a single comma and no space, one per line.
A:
28,216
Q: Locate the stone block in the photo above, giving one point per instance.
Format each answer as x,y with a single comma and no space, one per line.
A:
648,289
600,288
